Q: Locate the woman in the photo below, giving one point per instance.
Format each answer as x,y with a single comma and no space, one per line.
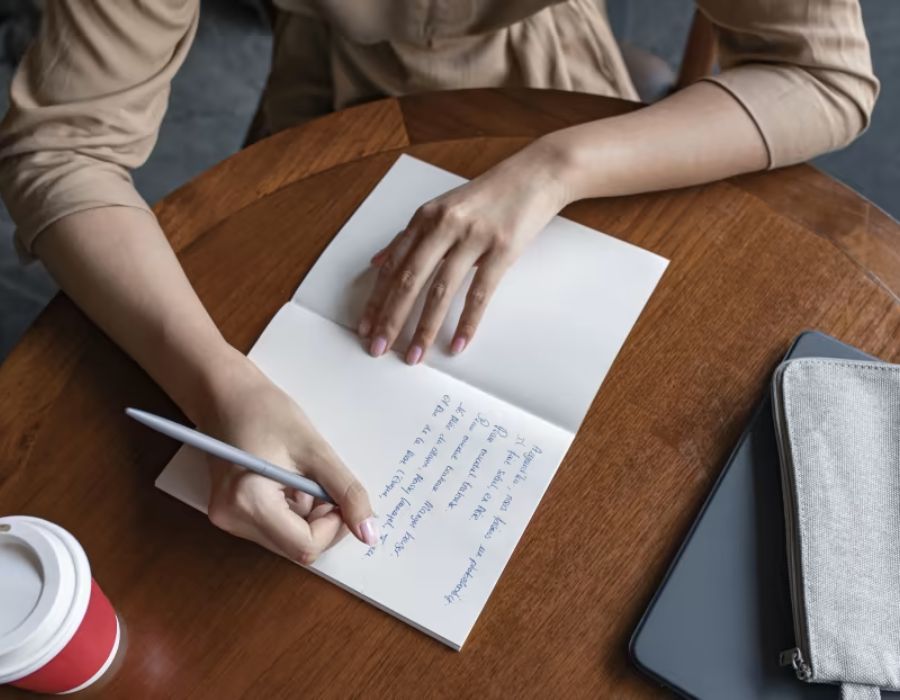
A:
86,104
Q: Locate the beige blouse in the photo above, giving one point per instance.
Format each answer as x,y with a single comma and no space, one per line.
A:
88,98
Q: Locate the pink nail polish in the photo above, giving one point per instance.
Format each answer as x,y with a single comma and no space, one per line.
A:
413,355
368,531
379,345
459,344
364,327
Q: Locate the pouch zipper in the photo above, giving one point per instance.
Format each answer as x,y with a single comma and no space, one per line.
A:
794,657
798,656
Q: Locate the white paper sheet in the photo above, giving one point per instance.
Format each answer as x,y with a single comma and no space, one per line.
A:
456,453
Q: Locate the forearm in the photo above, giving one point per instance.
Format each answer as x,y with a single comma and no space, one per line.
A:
117,266
697,135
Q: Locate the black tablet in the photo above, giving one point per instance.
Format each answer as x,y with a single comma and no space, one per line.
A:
722,614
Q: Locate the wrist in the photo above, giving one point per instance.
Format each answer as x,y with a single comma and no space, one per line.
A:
590,162
235,376
203,385
559,162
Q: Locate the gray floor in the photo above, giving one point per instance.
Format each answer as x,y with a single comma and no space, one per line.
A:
215,94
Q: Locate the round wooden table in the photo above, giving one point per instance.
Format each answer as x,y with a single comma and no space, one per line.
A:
754,261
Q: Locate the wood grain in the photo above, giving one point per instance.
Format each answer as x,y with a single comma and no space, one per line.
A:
755,261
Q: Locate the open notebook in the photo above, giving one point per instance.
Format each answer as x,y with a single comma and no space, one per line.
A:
456,452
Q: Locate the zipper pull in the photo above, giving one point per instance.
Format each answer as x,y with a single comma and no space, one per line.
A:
794,657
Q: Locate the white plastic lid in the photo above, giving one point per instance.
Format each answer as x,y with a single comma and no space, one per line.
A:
45,586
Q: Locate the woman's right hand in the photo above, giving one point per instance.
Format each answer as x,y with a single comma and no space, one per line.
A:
255,415
118,266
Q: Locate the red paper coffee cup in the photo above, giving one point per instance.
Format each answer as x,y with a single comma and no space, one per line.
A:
58,632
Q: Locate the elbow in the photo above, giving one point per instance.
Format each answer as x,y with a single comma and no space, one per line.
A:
850,100
869,91
42,187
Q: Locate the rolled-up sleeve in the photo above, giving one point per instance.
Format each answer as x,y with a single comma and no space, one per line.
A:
85,106
800,68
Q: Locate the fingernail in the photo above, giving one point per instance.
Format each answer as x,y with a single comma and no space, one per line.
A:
368,531
413,355
379,345
459,344
364,327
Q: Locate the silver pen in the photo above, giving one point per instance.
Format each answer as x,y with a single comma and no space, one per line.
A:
229,453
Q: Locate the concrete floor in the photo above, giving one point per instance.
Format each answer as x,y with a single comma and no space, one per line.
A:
215,95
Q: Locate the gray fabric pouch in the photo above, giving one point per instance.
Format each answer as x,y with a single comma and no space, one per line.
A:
838,428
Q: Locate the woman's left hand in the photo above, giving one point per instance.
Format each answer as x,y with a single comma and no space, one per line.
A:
485,223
